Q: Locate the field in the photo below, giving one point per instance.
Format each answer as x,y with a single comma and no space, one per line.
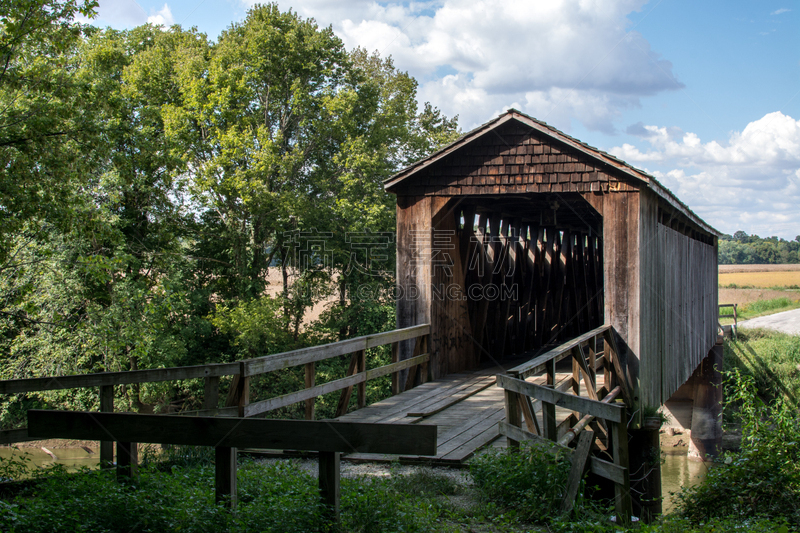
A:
760,276
759,289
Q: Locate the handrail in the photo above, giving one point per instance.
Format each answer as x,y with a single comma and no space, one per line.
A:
101,379
268,363
538,364
238,402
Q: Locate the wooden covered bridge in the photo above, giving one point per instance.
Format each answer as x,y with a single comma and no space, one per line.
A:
540,283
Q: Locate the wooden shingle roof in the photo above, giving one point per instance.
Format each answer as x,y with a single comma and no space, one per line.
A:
595,159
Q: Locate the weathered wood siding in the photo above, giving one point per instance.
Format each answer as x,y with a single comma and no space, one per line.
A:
678,304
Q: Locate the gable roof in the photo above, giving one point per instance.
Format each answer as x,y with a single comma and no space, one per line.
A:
608,161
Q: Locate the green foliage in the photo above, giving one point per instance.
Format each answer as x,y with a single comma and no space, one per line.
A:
765,307
763,479
771,359
744,249
530,481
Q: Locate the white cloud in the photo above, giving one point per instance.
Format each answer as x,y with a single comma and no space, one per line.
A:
127,14
780,11
750,182
558,60
162,18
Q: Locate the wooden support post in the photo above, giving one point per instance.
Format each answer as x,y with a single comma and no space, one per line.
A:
310,378
548,409
211,392
424,348
344,398
513,415
395,375
361,388
329,464
225,475
244,395
127,460
579,458
106,406
622,491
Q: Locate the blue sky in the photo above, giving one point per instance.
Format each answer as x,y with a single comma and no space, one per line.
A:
704,95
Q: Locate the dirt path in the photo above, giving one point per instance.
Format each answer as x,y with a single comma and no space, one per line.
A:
785,322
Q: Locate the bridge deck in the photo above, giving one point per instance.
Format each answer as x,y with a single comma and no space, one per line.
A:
466,407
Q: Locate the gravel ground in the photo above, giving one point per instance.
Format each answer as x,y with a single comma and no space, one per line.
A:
352,470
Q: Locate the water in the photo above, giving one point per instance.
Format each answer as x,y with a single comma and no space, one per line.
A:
73,458
678,472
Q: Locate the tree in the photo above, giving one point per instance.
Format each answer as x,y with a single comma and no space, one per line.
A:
42,127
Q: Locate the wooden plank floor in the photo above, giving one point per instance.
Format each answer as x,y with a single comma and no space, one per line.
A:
466,408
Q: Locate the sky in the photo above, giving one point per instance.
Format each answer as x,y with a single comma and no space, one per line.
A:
705,95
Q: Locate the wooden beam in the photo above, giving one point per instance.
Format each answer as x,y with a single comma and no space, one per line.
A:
225,475
332,386
310,376
609,412
268,363
344,397
101,379
329,468
235,432
578,467
537,365
106,406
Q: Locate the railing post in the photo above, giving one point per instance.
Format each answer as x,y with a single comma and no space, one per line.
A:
106,406
329,465
211,392
225,475
548,409
512,415
426,346
622,491
309,382
361,388
127,459
396,373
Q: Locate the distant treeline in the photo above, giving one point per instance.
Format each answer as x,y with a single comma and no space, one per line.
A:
743,249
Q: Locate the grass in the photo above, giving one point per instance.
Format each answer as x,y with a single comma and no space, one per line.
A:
761,308
772,358
507,491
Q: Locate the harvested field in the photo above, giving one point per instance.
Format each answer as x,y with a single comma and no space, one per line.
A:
746,296
761,279
729,269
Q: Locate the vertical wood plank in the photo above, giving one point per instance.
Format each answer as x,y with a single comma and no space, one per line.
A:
106,406
512,415
127,460
329,469
395,375
225,476
622,491
211,392
310,378
548,409
361,387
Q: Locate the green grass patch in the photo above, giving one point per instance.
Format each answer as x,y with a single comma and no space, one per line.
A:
771,358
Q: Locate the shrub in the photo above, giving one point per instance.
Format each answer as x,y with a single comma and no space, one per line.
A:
763,479
530,480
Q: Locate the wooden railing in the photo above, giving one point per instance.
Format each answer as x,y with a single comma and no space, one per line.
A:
734,315
330,439
608,421
238,399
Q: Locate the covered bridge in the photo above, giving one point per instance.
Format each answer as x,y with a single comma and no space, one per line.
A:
517,236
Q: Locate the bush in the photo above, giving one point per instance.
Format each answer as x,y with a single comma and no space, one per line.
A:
530,480
763,479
